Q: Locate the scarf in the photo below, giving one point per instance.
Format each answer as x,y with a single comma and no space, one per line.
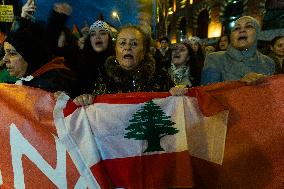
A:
180,75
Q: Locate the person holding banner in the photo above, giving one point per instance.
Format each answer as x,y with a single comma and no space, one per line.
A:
242,60
182,63
28,60
131,70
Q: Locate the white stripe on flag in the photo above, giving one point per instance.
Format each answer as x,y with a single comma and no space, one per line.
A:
108,123
78,141
205,135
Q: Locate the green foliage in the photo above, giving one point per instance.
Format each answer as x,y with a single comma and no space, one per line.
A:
150,123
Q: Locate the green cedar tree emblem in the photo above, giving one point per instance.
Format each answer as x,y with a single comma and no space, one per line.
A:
150,123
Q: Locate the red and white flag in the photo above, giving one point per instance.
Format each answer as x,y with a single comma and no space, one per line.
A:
140,140
34,155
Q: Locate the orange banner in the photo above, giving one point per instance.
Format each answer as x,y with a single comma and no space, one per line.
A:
30,155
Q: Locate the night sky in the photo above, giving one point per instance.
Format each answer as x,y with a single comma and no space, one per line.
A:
89,10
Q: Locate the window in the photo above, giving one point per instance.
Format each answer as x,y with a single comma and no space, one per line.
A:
203,21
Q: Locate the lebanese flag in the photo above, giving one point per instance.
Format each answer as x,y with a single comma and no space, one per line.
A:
141,140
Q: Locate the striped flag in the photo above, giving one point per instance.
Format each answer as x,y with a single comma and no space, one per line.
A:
138,141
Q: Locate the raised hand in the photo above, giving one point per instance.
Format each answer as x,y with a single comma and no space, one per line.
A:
253,78
85,30
178,91
84,100
63,8
28,9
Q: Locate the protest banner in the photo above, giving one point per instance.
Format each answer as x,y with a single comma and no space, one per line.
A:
6,13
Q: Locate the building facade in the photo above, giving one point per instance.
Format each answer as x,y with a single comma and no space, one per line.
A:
181,19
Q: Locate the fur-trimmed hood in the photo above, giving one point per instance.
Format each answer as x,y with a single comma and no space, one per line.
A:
142,74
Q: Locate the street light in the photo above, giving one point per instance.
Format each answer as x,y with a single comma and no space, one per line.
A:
115,15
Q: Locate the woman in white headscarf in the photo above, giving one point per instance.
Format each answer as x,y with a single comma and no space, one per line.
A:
242,60
98,47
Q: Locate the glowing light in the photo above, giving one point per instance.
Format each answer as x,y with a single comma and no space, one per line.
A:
174,39
214,29
190,2
114,14
232,24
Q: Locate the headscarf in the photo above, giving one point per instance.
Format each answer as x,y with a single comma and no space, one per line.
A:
99,24
195,39
254,23
31,48
252,50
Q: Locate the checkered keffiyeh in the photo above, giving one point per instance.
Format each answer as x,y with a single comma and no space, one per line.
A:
194,39
100,25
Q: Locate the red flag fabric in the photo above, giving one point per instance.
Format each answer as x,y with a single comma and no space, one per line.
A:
254,150
101,143
34,149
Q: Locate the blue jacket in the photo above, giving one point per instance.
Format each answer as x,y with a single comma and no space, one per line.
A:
234,64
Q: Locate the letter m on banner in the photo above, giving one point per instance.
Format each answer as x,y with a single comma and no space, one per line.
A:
20,146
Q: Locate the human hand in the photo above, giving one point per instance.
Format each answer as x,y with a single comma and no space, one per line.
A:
61,40
63,8
28,9
178,91
84,100
85,30
253,78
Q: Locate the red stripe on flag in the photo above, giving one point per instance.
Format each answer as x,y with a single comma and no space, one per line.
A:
101,176
130,98
70,108
208,105
149,171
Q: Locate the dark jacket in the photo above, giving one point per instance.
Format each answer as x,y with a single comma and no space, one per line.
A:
163,62
91,66
53,76
141,79
279,63
70,51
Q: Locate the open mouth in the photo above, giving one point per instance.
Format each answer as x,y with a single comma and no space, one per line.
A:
128,56
176,56
242,38
99,43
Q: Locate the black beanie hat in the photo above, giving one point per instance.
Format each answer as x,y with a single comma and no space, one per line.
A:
31,48
164,38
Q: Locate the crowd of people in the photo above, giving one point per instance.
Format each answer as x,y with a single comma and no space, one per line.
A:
50,57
